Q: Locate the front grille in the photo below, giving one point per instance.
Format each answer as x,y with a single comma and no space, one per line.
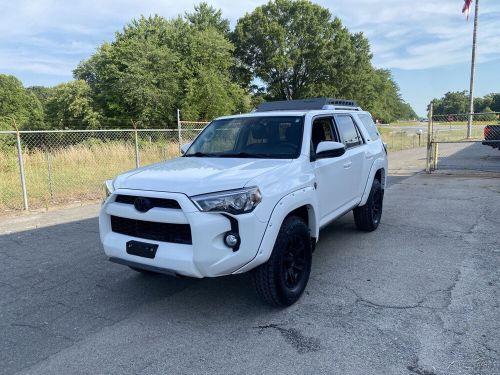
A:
164,232
156,202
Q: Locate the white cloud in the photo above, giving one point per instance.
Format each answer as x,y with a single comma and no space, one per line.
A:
40,64
52,36
420,35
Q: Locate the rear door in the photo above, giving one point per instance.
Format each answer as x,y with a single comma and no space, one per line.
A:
353,161
373,146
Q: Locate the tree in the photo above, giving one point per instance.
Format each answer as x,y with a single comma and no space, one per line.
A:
153,66
451,103
290,46
205,17
69,106
487,116
136,76
458,103
406,112
299,50
156,65
209,91
16,103
41,92
494,99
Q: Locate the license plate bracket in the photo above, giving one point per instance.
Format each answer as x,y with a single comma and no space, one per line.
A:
141,249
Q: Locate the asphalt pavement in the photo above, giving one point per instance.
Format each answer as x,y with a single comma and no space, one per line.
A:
468,157
418,296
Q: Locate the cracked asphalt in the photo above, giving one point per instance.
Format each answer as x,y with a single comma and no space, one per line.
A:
418,296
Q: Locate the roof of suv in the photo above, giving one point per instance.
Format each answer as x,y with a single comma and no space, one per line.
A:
306,104
294,113
302,106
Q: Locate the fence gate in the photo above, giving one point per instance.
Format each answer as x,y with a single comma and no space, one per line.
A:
456,146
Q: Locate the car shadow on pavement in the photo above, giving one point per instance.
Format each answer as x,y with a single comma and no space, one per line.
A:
58,287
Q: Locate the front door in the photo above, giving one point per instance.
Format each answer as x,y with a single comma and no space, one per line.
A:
332,184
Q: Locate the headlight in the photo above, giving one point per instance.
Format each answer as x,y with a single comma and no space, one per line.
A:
109,188
232,201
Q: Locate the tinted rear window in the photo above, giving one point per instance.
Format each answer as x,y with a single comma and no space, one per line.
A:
348,131
369,125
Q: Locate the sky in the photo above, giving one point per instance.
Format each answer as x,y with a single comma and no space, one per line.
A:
426,44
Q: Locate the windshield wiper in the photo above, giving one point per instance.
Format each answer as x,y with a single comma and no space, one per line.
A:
200,155
244,155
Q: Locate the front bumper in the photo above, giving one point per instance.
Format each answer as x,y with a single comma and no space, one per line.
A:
206,256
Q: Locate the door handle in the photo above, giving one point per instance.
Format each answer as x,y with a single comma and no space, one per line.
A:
368,156
348,165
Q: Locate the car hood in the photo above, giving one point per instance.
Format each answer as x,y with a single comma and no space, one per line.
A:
197,175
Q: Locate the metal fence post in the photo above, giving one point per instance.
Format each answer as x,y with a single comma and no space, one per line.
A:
436,152
21,167
429,139
179,132
49,173
136,141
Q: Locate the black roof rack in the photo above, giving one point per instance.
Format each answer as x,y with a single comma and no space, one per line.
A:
306,104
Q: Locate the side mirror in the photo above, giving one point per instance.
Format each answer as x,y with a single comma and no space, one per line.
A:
329,149
184,148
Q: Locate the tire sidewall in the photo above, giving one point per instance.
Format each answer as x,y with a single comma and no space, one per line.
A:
296,226
376,187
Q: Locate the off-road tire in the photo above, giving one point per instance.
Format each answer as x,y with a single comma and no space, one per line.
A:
274,280
368,216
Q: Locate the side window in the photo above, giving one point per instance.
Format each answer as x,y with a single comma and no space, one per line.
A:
348,130
369,125
322,131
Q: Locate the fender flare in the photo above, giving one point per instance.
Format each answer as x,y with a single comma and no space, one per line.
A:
377,164
299,198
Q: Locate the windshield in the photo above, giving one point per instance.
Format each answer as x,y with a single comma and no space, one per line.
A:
272,137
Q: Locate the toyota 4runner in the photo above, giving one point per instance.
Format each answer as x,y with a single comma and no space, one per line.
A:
250,193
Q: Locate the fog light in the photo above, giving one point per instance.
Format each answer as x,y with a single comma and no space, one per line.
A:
232,239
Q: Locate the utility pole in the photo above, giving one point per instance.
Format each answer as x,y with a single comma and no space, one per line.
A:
472,72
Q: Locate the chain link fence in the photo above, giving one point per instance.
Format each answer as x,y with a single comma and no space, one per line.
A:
466,142
398,138
39,169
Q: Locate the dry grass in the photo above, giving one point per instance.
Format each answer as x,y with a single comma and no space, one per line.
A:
76,173
397,140
73,173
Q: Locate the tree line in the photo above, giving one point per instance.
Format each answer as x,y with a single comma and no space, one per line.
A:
457,102
284,49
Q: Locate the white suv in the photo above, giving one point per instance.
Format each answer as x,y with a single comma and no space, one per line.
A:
251,193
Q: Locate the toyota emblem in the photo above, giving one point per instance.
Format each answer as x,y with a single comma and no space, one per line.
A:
142,204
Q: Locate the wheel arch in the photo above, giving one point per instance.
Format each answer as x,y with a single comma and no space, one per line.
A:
301,203
380,176
308,214
379,172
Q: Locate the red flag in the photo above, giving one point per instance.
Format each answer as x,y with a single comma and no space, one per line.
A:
466,8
